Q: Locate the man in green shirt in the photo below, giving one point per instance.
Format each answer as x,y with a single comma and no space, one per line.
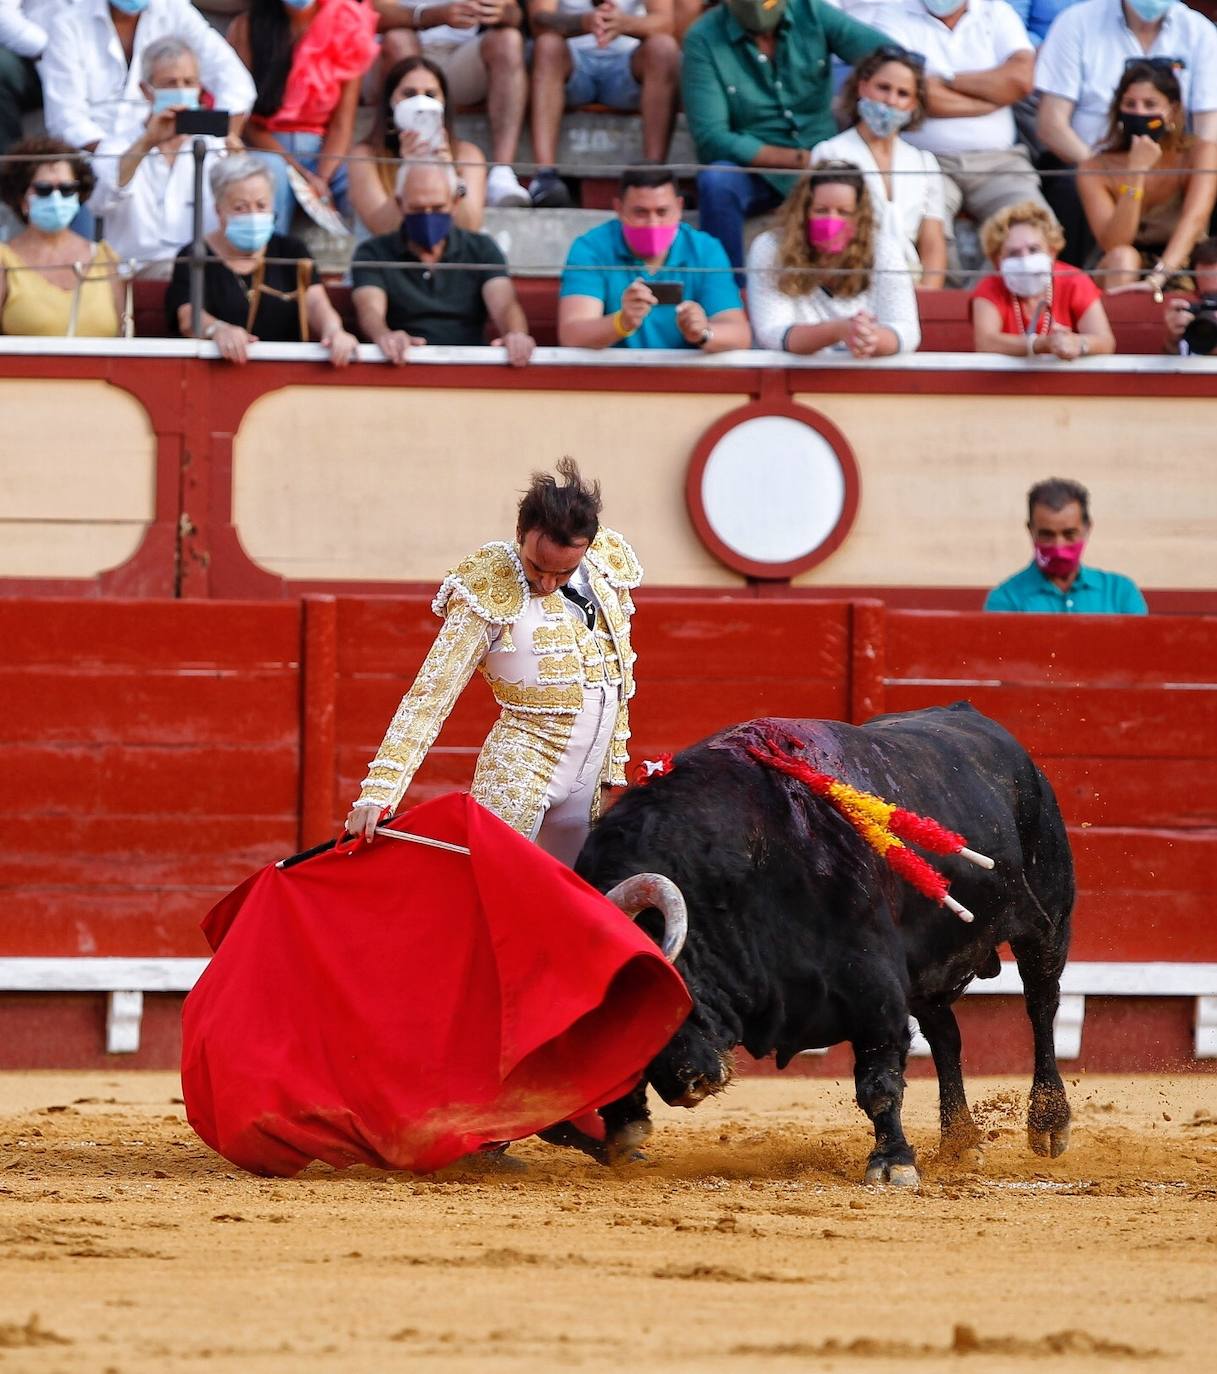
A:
1058,520
757,82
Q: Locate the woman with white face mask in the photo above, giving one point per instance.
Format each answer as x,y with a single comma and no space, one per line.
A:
53,281
258,286
1035,305
884,94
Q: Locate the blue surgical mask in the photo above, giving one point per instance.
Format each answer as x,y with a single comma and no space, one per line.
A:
130,6
428,229
251,232
882,120
299,4
167,97
53,213
1150,10
941,8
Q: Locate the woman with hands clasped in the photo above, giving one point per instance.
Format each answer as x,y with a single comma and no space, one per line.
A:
1149,191
826,279
1035,305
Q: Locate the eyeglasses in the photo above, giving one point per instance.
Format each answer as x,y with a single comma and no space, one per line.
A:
48,188
1170,65
893,52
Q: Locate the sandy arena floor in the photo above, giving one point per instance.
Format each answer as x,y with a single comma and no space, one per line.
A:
744,1244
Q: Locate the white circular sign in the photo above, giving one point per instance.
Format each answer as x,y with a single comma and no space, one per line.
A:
773,489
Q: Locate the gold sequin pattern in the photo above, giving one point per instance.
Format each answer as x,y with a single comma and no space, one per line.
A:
519,757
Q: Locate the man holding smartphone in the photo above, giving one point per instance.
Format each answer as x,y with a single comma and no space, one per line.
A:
647,280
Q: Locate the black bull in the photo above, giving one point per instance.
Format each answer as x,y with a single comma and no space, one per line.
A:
800,935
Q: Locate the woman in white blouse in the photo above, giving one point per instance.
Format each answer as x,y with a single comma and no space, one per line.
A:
826,278
883,94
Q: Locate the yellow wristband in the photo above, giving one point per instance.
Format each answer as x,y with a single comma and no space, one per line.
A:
619,326
1137,192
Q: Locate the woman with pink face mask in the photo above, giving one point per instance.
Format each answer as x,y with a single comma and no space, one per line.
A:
827,279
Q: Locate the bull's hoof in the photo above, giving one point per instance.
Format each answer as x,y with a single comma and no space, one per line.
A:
625,1145
1051,1143
883,1175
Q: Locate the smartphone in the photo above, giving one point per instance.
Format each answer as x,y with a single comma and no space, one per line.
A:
667,292
213,122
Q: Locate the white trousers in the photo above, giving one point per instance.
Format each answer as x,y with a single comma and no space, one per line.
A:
566,816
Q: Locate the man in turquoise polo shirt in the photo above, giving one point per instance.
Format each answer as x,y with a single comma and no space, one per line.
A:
618,277
757,83
1058,520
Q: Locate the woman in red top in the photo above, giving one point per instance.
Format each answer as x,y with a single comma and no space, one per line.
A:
307,58
1035,305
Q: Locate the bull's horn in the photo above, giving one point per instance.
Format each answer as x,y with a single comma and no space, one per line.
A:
645,890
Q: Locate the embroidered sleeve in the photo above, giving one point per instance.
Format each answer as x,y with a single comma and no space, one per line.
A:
619,752
459,647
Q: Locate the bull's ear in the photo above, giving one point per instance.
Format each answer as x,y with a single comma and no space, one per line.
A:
645,890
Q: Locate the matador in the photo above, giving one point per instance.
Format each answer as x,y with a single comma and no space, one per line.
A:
546,621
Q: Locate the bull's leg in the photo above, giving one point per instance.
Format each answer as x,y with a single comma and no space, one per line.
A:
960,1137
879,1081
627,1124
1040,966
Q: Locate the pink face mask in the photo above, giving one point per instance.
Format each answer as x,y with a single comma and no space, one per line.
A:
829,233
1058,560
649,240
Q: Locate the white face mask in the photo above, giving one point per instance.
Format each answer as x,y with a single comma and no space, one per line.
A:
1027,276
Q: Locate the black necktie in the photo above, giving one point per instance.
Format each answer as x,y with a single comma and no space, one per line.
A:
586,609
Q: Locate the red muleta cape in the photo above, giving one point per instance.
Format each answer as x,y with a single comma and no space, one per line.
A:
401,1006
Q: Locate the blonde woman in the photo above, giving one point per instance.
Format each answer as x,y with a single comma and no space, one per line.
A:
826,279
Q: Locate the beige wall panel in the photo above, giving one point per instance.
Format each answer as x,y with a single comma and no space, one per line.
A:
379,485
77,477
944,481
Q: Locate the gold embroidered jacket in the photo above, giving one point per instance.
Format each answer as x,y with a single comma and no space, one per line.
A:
536,657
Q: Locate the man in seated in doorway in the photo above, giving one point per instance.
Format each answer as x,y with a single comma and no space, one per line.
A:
624,286
429,300
1058,520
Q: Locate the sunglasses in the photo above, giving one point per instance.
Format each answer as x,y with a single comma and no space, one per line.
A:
1159,64
893,52
48,188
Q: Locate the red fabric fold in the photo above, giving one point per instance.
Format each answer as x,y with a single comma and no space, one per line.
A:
403,1006
338,45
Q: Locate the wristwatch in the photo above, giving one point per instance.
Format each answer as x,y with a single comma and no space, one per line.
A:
416,8
706,335
209,331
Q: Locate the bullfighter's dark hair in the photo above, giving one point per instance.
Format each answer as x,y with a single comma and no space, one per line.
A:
566,512
1056,493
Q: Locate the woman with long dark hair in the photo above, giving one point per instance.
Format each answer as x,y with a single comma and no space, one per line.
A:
1149,191
307,58
409,127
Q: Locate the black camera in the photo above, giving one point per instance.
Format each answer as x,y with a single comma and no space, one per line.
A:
1201,332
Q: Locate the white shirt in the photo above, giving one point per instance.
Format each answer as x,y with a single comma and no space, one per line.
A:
987,33
88,90
890,297
23,26
916,185
1083,56
152,217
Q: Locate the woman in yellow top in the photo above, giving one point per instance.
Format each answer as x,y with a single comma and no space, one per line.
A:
1149,190
53,282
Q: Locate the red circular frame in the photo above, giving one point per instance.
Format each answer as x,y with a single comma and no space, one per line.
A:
772,572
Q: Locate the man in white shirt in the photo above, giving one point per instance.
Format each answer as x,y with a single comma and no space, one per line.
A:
22,39
90,68
979,63
1079,66
145,192
619,53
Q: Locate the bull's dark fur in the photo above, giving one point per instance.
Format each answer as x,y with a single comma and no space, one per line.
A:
800,935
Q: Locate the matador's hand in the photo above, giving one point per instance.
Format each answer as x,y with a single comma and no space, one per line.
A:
362,821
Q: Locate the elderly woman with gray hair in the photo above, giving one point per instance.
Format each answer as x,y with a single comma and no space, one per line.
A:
258,286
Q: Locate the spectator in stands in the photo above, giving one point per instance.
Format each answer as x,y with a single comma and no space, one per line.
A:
1058,521
1180,311
409,127
1038,15
480,47
1079,66
402,306
53,281
607,299
1149,192
145,192
979,64
619,53
757,90
307,61
826,279
1035,305
22,39
258,286
883,94
91,70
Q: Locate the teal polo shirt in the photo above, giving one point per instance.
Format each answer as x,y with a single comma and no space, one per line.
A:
601,264
1094,592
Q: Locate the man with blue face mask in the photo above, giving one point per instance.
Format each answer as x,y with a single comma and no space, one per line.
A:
92,67
431,282
1078,68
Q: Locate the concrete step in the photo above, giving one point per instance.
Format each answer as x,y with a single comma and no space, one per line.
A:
589,140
